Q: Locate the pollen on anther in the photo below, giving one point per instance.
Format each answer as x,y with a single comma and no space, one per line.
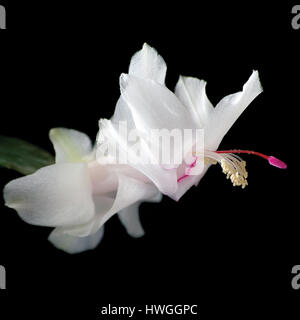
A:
235,171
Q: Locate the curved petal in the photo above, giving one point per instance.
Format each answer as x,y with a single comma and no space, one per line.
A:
155,109
130,219
153,106
102,206
228,110
55,195
129,192
123,113
104,178
191,92
148,64
72,244
145,64
185,184
70,145
165,180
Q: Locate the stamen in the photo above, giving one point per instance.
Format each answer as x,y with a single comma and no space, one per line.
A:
233,166
237,174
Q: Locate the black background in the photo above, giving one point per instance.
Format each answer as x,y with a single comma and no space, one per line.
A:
228,250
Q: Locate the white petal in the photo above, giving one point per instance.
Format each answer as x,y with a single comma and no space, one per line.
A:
129,191
123,113
105,177
131,220
102,205
55,195
165,180
153,106
185,184
70,145
228,110
191,92
73,244
147,64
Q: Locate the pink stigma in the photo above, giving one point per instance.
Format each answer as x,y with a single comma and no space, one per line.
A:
277,163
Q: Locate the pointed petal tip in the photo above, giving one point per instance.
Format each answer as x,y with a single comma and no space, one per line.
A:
255,75
148,64
138,234
123,78
10,205
6,196
146,46
52,132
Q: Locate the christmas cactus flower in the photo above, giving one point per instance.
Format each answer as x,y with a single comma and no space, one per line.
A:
146,105
77,195
156,142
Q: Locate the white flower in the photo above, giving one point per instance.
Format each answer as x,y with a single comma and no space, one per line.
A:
77,195
147,104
